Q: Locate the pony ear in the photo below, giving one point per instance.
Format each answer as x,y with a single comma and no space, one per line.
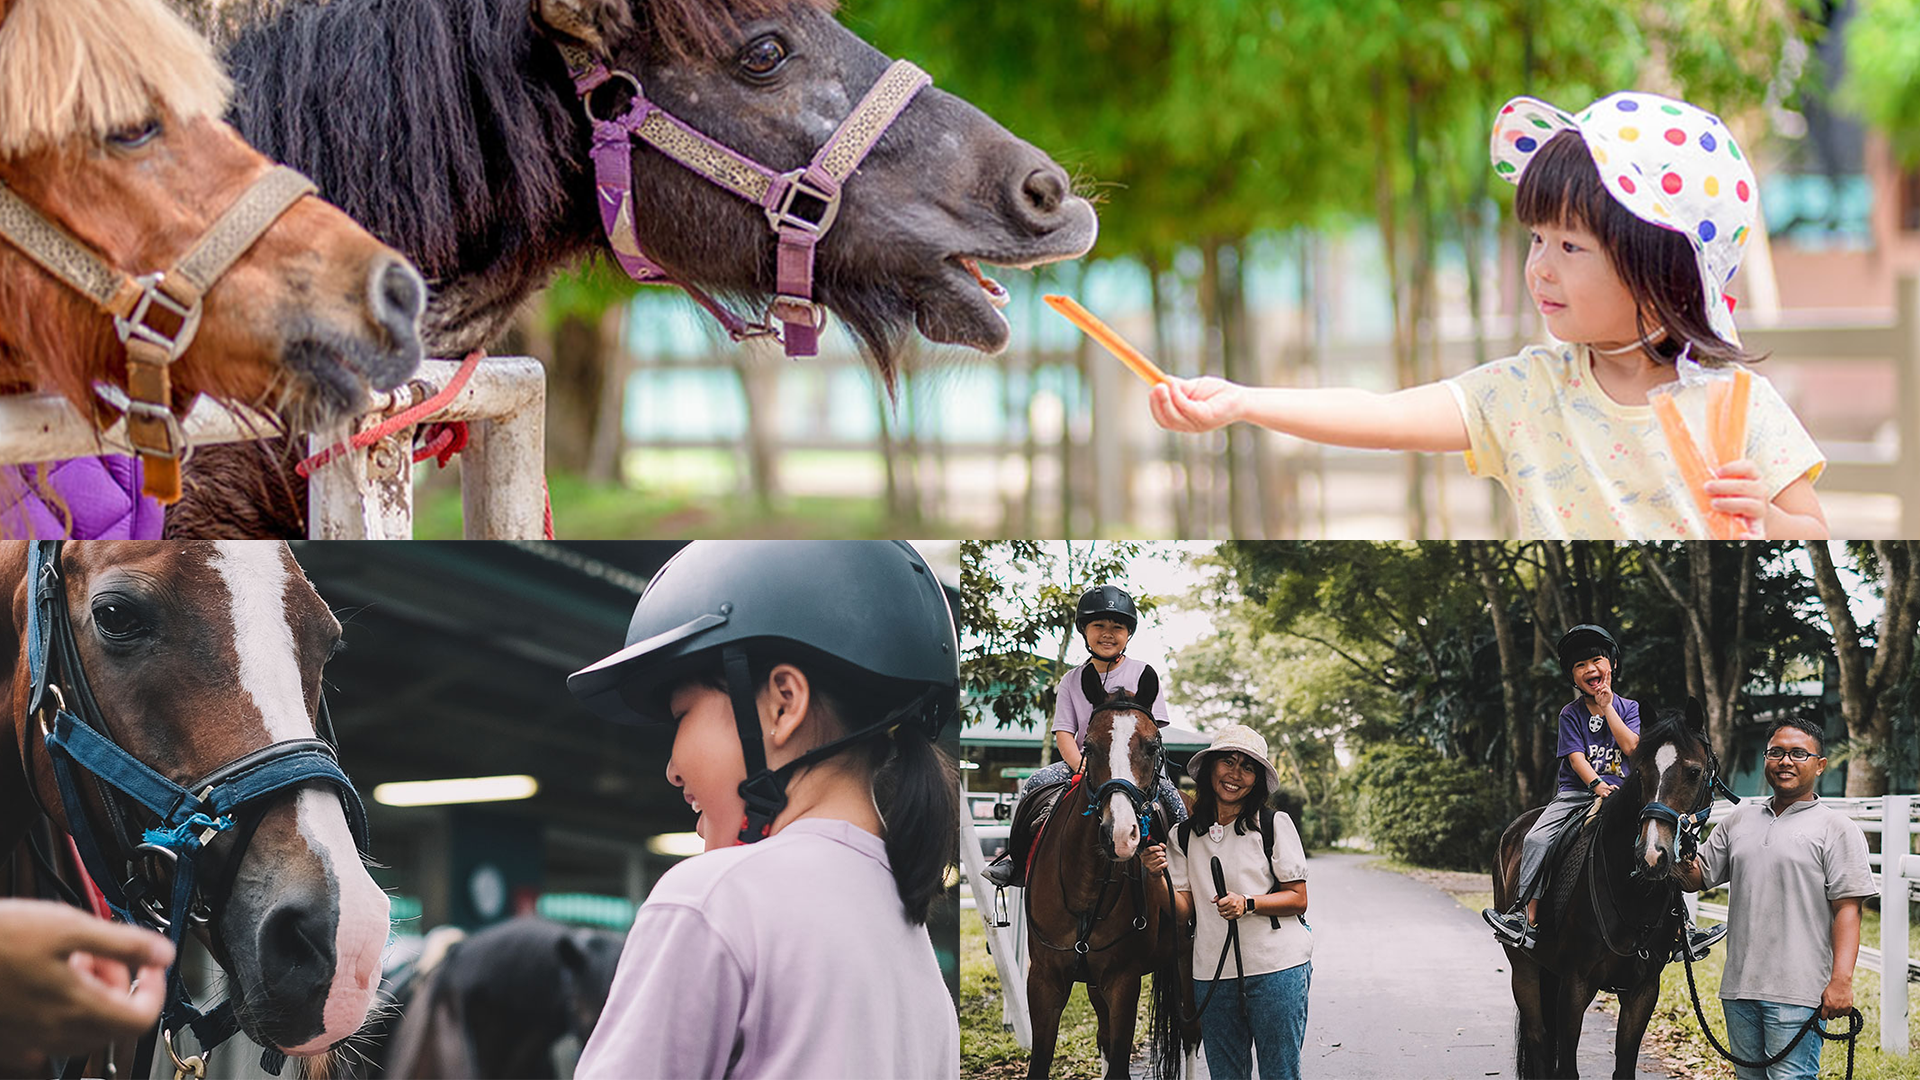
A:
1696,719
596,24
1148,689
573,949
1090,686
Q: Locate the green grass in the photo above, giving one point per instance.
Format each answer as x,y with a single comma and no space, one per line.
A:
611,511
987,1050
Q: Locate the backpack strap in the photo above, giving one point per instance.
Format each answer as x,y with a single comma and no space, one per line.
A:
1266,844
1183,833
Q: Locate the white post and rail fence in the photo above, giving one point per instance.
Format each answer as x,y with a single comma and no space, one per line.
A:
366,493
1896,874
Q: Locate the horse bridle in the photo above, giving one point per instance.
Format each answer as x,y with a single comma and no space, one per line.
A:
1687,826
77,740
1142,802
156,314
800,205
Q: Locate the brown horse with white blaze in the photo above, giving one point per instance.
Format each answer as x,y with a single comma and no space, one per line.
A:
197,656
1094,914
110,133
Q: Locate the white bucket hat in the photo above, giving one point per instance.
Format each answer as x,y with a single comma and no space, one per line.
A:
1236,739
1669,163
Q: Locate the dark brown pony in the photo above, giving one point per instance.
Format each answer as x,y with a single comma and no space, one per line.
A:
109,127
198,654
1611,913
450,129
1094,915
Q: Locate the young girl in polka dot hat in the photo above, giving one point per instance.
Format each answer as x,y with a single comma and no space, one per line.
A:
1639,209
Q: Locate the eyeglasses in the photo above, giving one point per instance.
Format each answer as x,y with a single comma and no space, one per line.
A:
1796,755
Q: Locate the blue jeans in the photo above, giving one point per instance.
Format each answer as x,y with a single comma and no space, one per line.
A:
1276,1024
1749,1021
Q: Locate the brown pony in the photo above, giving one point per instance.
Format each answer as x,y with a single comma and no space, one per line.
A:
198,654
450,129
1609,919
1094,915
110,129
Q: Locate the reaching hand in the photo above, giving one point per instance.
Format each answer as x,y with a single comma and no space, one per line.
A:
1736,488
1154,858
1196,405
68,977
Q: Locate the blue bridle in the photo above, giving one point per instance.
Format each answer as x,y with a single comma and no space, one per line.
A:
1141,800
188,817
1687,826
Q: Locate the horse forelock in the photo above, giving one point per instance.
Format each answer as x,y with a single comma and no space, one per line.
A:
83,68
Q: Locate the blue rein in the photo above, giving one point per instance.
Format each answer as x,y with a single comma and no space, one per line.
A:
189,817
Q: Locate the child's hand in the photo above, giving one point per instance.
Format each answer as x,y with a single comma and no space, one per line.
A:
1195,405
1736,488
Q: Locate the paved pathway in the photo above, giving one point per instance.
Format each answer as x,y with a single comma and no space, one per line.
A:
1407,983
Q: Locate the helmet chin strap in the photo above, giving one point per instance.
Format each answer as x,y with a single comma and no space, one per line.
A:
765,790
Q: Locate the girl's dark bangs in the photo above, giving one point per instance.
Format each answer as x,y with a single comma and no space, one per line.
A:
1561,186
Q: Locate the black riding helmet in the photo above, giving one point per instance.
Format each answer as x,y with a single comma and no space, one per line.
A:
1106,602
1584,642
871,607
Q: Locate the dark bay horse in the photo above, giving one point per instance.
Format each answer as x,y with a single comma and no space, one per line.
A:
1093,913
1611,914
110,132
202,663
451,129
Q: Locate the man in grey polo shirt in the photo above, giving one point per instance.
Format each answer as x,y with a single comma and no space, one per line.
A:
1797,870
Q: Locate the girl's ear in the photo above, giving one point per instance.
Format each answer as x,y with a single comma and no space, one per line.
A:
788,697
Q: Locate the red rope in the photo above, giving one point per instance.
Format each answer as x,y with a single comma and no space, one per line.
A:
408,418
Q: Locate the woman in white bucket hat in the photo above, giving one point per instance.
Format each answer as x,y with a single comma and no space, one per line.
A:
1252,948
1639,208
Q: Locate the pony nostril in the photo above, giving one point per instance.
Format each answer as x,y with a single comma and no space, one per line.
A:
1045,189
296,943
397,296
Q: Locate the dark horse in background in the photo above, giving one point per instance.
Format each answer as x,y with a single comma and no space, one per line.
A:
449,128
1094,915
1612,910
199,655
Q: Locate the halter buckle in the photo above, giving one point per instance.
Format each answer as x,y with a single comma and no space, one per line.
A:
135,325
795,309
803,205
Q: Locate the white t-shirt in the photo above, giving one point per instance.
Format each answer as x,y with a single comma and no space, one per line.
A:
1243,861
1581,466
792,957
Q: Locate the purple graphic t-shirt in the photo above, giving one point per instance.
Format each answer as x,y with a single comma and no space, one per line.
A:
1581,732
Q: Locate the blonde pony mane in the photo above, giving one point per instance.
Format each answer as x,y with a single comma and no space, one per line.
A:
84,68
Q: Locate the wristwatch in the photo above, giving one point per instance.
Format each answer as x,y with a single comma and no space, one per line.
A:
1593,784
1249,901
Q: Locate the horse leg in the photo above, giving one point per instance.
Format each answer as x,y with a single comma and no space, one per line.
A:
1123,1013
1636,1010
1575,995
1046,998
1534,993
1098,996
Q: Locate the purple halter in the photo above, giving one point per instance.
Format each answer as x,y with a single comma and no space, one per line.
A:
800,205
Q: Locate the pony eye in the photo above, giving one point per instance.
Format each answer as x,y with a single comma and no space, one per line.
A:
1693,772
135,136
117,621
763,56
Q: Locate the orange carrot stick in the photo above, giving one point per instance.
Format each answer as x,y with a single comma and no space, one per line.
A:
1135,360
1717,393
1731,439
1693,468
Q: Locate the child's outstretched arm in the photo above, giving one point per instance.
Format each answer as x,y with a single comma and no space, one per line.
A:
1794,514
1420,418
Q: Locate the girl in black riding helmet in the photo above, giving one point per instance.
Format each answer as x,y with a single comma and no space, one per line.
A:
801,678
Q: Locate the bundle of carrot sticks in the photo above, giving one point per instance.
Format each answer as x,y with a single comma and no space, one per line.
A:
1726,441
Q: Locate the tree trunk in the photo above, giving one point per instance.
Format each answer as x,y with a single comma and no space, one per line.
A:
1513,670
1868,683
1180,493
609,442
576,376
1716,654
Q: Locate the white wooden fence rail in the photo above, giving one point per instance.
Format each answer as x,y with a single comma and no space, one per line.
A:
1896,874
367,494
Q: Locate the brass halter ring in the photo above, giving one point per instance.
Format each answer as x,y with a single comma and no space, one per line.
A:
195,1065
58,705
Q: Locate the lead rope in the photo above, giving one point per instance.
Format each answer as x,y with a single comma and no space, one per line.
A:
1851,1035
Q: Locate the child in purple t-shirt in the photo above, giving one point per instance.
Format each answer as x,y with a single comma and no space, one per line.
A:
1598,732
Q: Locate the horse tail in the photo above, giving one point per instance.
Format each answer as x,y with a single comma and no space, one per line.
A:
1166,1035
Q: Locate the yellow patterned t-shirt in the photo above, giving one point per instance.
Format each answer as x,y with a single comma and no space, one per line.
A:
1581,466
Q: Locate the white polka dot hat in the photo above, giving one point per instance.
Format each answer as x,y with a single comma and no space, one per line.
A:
1669,163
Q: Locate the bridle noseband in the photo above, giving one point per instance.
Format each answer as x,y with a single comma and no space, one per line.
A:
800,205
174,297
189,817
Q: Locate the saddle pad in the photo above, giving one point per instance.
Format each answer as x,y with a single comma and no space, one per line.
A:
1037,810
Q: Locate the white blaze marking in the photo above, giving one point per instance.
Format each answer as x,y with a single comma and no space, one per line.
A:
1663,760
1120,765
256,576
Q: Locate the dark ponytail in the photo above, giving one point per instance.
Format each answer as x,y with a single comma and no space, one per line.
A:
918,790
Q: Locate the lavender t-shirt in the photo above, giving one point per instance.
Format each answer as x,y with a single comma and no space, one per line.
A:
1579,736
1072,710
792,957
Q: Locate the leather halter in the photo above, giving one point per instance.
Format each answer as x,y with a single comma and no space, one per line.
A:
173,297
188,817
800,205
